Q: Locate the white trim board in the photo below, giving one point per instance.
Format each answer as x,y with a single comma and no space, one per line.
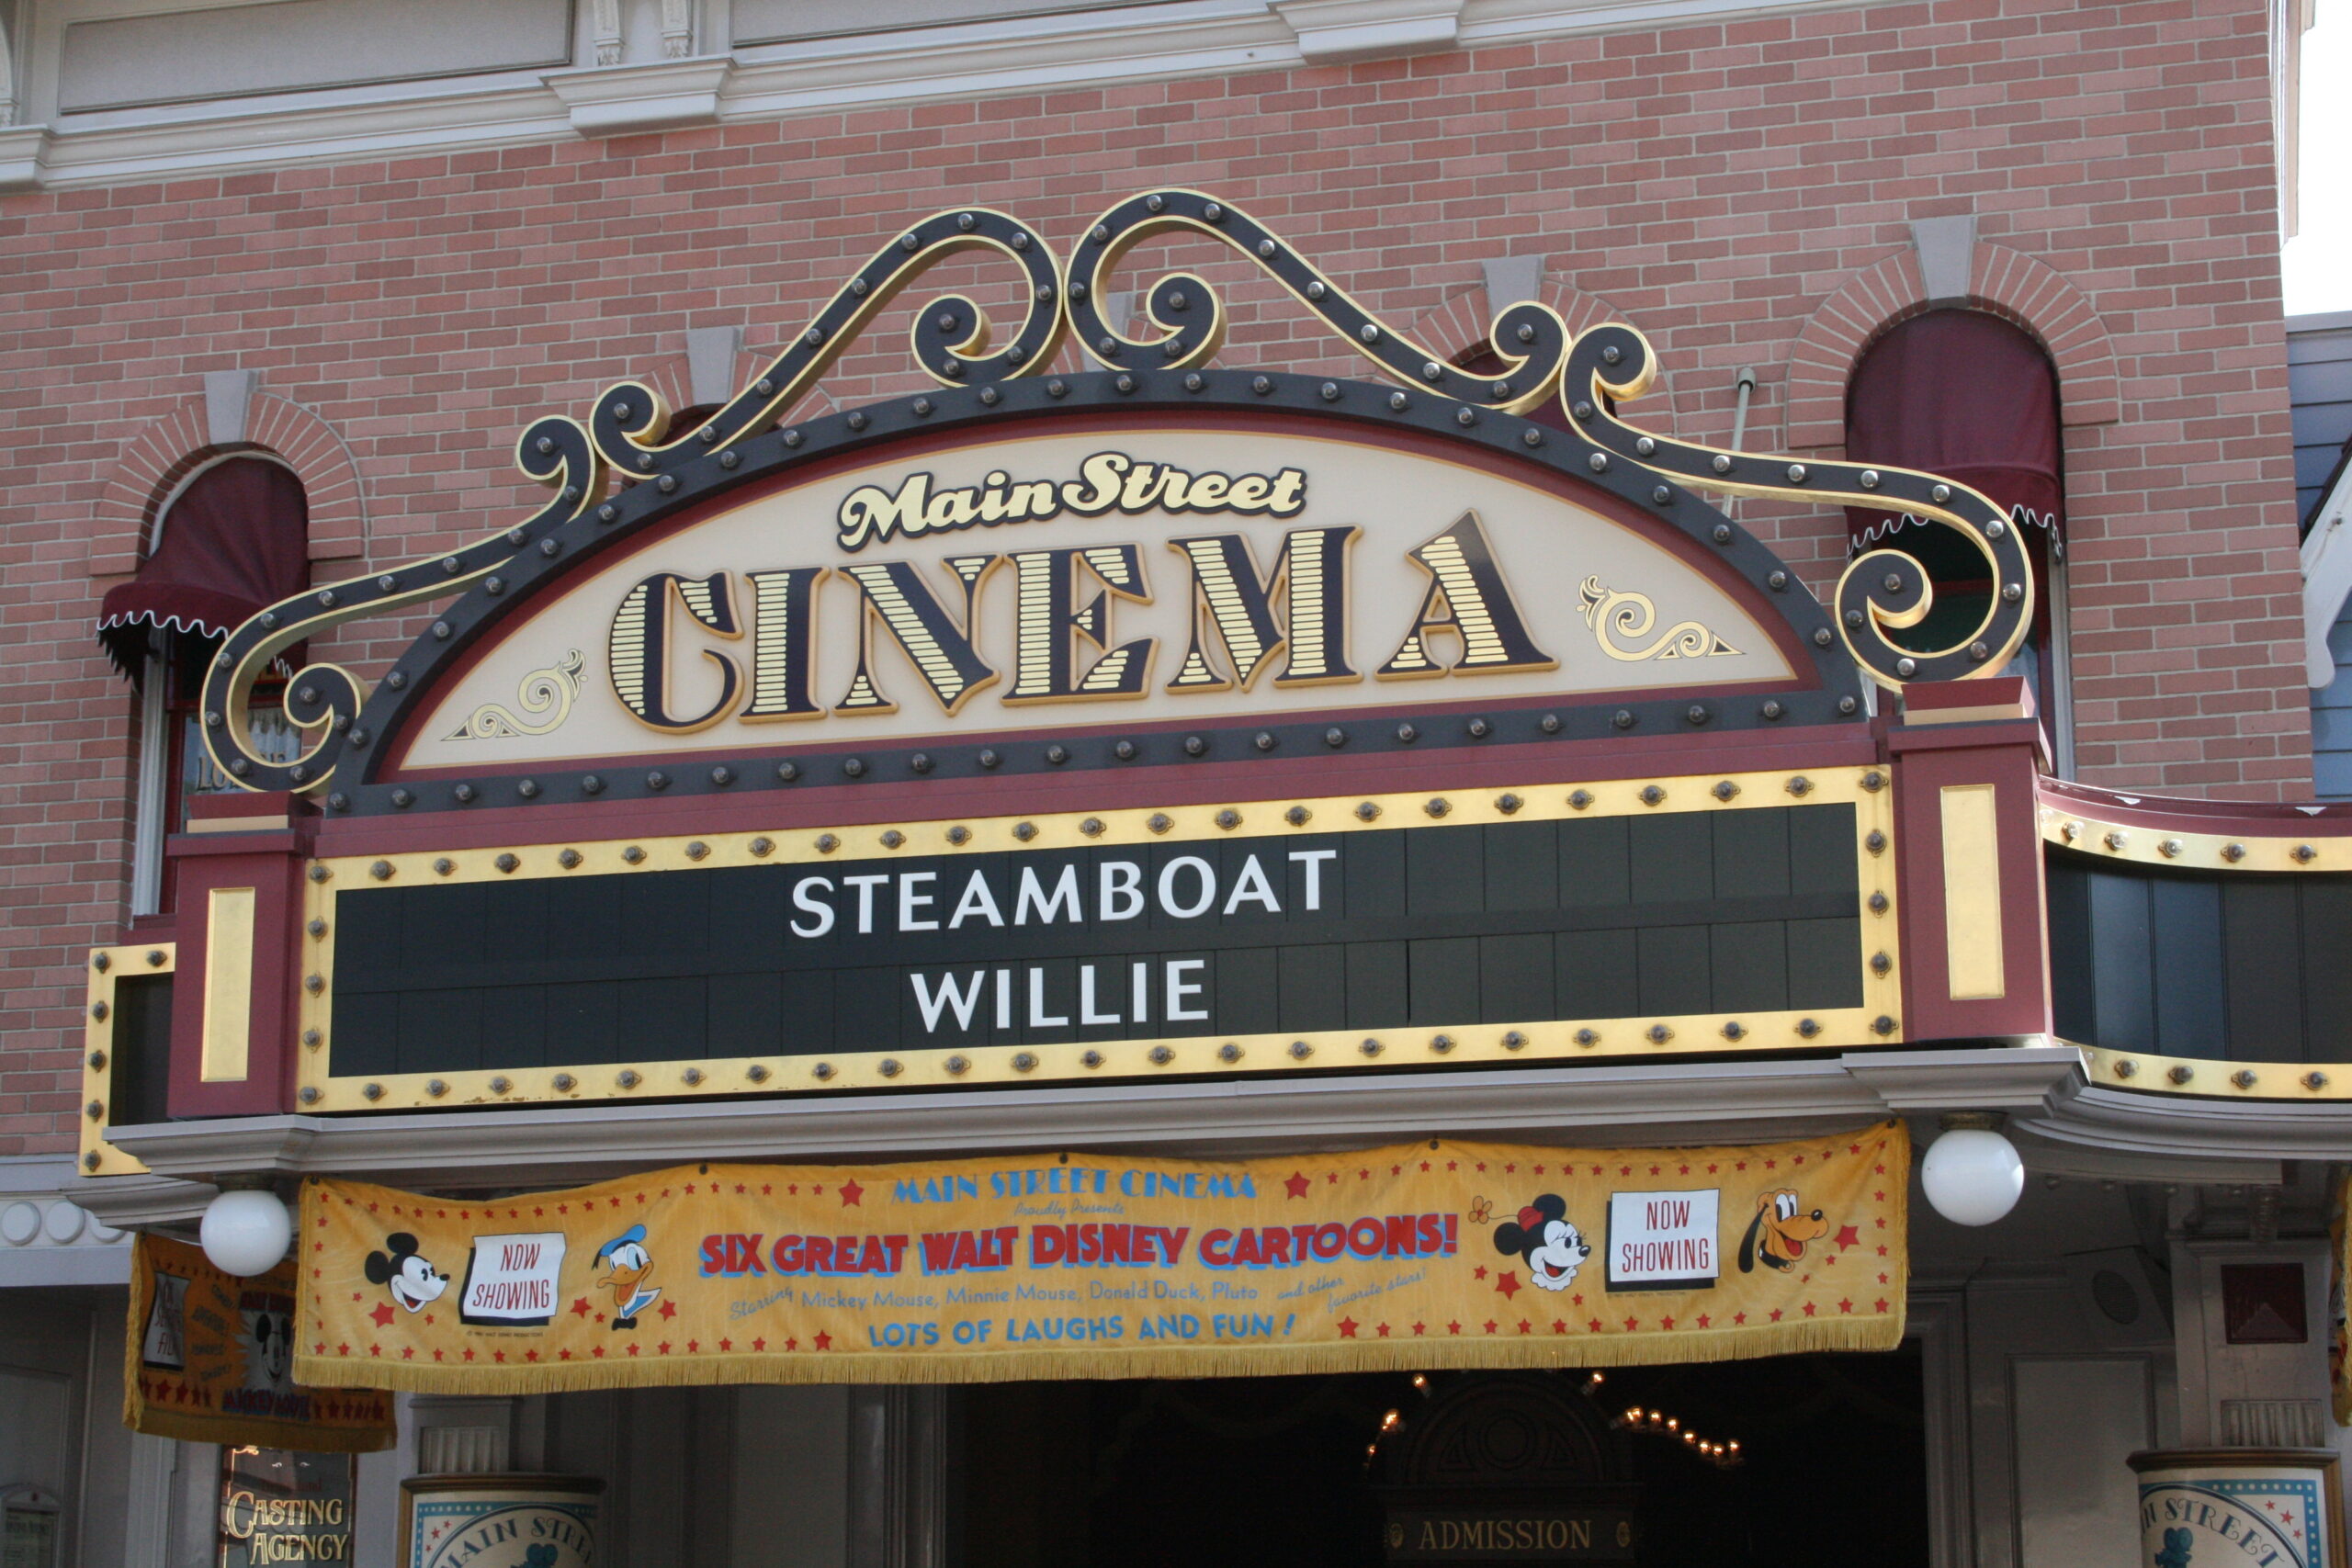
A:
1171,40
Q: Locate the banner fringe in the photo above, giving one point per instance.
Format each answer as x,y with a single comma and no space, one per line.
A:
1181,1361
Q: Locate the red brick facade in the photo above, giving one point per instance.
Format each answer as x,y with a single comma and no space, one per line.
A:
1740,192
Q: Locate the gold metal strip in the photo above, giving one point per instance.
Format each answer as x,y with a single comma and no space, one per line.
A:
228,986
1865,788
2204,851
107,965
2145,1071
1973,893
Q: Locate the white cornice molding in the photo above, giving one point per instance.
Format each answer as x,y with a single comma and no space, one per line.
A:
1647,1103
1336,32
631,100
1173,40
24,157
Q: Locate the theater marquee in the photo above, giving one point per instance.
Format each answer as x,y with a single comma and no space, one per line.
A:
1049,724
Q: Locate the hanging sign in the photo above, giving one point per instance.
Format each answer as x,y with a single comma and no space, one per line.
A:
211,1359
1417,1255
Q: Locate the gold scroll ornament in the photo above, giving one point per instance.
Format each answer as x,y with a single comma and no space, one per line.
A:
1424,1254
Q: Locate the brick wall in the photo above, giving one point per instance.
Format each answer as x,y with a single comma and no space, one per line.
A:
1719,185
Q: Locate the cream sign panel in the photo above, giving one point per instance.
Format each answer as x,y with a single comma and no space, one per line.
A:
1153,574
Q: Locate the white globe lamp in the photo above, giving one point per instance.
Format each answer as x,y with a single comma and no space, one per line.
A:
246,1230
1972,1175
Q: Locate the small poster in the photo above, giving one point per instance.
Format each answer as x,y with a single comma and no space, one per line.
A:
1664,1241
281,1506
511,1280
211,1359
498,1521
2262,1507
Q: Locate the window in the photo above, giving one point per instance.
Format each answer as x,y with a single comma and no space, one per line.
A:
1972,397
232,541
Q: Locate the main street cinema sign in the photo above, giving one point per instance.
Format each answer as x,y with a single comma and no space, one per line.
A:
1157,719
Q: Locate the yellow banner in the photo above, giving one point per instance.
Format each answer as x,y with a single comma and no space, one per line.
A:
1423,1254
210,1359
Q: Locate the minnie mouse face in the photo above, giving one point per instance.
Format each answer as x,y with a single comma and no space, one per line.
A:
409,1279
1553,1248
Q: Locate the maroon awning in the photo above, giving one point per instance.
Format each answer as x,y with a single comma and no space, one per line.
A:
1965,395
232,543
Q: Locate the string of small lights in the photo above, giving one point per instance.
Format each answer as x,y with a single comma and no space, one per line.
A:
1635,1418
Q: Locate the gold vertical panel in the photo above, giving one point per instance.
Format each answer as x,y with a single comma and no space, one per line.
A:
228,985
1972,894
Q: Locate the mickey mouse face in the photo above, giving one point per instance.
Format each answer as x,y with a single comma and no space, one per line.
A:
409,1279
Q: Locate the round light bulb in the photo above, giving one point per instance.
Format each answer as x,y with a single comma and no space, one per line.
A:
1973,1176
246,1232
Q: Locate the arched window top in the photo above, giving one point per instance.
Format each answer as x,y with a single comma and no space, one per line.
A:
1967,395
234,540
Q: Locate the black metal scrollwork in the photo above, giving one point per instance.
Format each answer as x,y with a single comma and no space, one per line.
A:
1531,339
1881,591
324,700
951,337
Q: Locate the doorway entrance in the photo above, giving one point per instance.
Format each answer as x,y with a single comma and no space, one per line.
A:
1363,1470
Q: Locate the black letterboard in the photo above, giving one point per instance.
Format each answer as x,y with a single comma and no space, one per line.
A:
1725,912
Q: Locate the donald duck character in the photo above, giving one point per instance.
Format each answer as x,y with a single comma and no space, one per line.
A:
630,1265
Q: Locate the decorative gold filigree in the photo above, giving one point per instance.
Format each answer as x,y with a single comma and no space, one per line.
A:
1612,615
543,692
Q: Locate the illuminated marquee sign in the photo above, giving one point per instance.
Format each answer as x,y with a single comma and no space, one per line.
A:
1724,913
1048,725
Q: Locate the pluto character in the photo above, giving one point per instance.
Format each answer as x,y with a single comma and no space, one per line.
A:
1553,1247
1776,1236
409,1279
630,1264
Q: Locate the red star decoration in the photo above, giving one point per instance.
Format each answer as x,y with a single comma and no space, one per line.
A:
354,1296
1848,1236
1808,1309
694,1347
1740,1319
1559,1325
530,1355
1490,1325
470,1353
1524,1325
824,1341
1451,1165
790,1343
1596,1325
1425,1164
663,1348
1479,1272
1776,1314
669,1309
1395,1170
1382,1329
739,1190
408,1352
1296,1184
1702,1321
1453,1328
580,1308
1845,1306
1348,1326
382,1315
1332,1177
1508,1283
727,1345
1417,1328
1632,1324
1666,1324
375,1349
632,1349
436,1355
1482,1167
1882,1303
759,1344
598,1352
850,1193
